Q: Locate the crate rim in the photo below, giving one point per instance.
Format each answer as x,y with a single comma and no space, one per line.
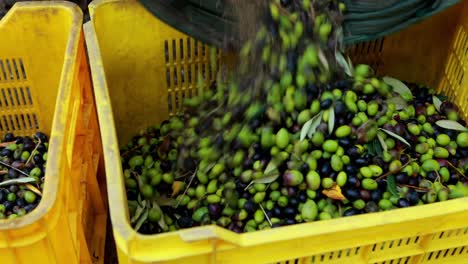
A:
116,190
56,140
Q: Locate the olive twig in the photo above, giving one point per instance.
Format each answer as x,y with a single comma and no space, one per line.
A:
456,169
33,152
188,186
414,187
129,151
11,167
396,171
5,144
266,215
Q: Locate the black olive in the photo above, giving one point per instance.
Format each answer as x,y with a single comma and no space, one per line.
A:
413,197
304,168
289,211
277,212
40,136
9,137
351,211
20,202
29,207
6,153
353,152
38,159
312,89
402,202
340,108
344,142
402,178
3,195
13,188
325,169
376,195
413,181
302,197
19,140
12,173
351,169
41,148
8,205
214,211
365,195
145,229
432,176
289,222
293,201
246,195
353,181
250,206
352,194
361,162
325,104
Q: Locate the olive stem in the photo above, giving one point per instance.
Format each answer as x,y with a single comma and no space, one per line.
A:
186,189
33,152
11,167
6,144
414,187
130,150
266,216
393,172
456,169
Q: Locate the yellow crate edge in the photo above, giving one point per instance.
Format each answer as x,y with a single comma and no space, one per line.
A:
119,213
56,136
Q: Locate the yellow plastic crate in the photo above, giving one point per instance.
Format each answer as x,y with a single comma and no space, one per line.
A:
141,69
45,85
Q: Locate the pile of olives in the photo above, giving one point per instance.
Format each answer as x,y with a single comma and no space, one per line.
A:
296,134
22,167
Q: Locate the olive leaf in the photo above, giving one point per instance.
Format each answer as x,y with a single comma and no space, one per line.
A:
139,211
396,136
164,201
334,193
305,129
340,59
315,124
161,222
271,167
350,64
142,219
323,59
331,120
398,86
399,102
268,179
437,103
391,185
382,143
450,124
18,180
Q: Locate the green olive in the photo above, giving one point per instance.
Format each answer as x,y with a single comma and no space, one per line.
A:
313,180
282,138
309,211
462,139
330,145
343,131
